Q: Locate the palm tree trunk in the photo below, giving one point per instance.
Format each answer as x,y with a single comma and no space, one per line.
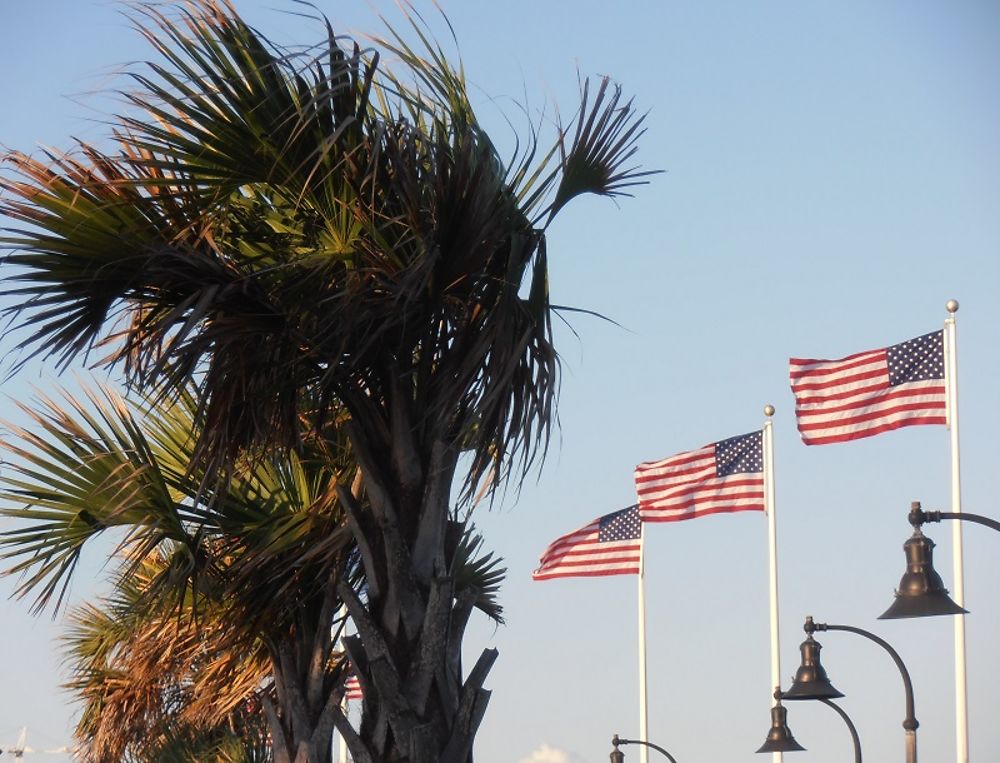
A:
308,698
407,654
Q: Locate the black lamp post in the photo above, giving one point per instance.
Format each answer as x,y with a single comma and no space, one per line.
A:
617,756
814,683
850,726
921,591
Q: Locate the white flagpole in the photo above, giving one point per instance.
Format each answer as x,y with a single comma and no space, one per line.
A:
341,742
772,549
958,562
643,706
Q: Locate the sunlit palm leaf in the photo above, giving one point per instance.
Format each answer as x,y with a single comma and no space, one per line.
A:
155,682
87,470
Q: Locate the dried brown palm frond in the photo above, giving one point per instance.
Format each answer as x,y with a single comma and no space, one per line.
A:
150,676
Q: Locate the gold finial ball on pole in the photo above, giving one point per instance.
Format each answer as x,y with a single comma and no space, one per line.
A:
951,306
769,410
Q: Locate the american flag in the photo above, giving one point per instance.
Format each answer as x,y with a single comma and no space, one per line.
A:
610,545
352,688
722,477
870,392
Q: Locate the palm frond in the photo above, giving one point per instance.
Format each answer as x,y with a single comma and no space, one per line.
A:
156,683
88,468
481,571
605,140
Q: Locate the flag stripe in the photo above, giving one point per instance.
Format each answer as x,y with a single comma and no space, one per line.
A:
664,477
846,381
606,560
704,512
629,568
667,464
843,392
870,392
852,433
352,688
863,398
874,413
743,502
803,368
703,489
595,553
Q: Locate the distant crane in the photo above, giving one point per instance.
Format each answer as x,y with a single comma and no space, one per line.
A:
20,747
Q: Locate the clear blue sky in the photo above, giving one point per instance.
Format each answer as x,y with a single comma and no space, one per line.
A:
832,178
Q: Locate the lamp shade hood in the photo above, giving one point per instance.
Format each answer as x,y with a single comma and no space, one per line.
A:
811,681
779,738
921,591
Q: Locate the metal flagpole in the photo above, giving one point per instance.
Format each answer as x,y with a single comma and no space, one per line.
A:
643,707
341,742
958,562
772,549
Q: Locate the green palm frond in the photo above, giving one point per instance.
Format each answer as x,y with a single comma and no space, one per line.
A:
89,468
481,571
93,466
605,140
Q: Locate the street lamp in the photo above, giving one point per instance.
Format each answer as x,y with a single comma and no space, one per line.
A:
812,683
779,738
617,756
921,591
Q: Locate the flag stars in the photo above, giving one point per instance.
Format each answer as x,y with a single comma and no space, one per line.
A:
621,525
739,455
918,359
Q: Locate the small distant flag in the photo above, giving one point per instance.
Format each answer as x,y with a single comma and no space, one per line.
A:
870,392
721,477
610,545
352,688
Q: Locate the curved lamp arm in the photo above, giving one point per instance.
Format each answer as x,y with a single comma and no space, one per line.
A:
617,741
910,723
919,517
850,726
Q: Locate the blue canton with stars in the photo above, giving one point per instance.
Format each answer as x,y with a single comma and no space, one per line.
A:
621,525
916,360
740,455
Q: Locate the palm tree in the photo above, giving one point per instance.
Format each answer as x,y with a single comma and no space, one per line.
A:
319,245
223,619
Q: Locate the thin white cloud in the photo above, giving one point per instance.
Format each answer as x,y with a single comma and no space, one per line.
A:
547,754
